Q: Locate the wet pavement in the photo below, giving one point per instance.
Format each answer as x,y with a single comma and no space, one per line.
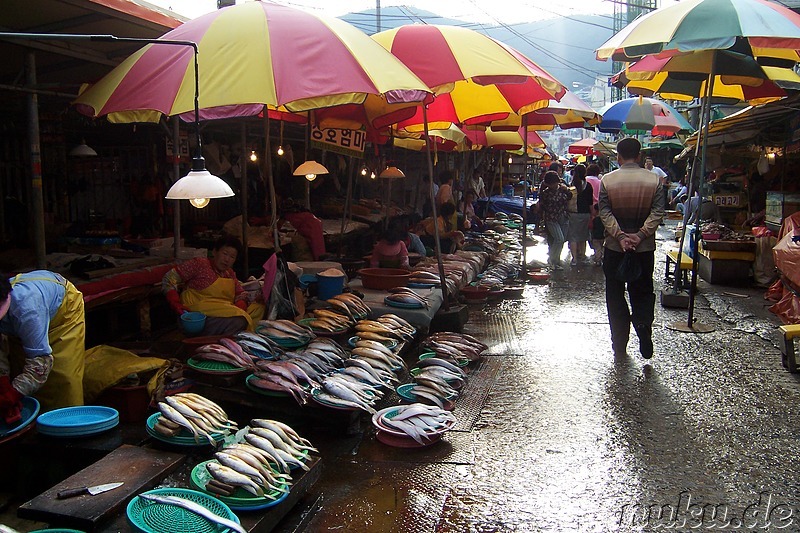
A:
557,435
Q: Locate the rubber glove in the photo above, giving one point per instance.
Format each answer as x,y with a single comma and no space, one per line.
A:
10,401
174,300
241,304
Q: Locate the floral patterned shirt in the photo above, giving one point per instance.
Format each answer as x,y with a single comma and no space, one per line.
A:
554,203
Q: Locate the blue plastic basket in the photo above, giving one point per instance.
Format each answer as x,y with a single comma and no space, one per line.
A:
77,421
193,322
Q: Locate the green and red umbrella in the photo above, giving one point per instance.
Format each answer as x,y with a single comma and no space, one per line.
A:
706,25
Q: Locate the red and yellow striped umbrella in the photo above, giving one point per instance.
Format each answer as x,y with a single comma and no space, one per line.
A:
253,55
476,79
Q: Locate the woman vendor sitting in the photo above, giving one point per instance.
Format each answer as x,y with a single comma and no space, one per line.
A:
449,236
211,287
391,251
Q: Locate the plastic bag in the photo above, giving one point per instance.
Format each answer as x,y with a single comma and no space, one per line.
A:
764,266
629,269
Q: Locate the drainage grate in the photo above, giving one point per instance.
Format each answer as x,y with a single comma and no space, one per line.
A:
473,395
497,330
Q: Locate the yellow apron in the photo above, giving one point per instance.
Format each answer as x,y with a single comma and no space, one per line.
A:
217,300
67,337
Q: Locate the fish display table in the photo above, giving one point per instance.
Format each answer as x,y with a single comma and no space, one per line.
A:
419,318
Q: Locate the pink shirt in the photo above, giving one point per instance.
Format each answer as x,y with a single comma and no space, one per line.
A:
384,251
594,181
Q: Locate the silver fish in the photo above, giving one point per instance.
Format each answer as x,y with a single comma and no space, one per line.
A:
194,508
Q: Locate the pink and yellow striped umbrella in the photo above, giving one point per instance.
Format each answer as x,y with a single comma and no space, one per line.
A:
254,55
476,79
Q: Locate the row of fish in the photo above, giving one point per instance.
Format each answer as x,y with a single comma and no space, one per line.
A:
349,304
406,296
437,382
297,373
457,348
260,462
283,330
194,414
419,421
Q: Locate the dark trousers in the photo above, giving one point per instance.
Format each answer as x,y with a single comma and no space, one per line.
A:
640,293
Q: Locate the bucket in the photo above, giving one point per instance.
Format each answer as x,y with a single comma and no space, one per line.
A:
329,286
508,190
193,323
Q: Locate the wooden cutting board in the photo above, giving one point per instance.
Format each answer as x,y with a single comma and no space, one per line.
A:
139,468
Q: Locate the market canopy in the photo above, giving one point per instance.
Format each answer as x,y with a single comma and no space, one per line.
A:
476,79
591,146
253,55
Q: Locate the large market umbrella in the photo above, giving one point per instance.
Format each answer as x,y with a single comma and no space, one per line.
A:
477,79
666,119
590,146
706,25
567,113
753,27
259,56
503,140
251,55
683,75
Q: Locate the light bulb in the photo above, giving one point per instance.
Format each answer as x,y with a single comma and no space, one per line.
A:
280,150
311,177
372,175
199,203
253,156
364,171
509,160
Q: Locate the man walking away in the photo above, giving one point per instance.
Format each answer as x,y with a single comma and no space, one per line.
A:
631,206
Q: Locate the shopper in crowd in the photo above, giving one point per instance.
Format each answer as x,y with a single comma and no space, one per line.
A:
391,251
596,225
631,207
553,201
42,315
476,185
210,286
578,232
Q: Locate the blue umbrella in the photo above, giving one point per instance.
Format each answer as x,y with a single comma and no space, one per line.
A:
643,114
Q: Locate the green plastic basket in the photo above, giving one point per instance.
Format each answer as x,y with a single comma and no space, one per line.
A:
154,517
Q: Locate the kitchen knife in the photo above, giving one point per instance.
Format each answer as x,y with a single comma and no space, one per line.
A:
97,489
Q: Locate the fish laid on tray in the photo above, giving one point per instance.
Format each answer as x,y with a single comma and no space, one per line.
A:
348,392
406,296
262,462
226,351
284,331
349,304
418,421
194,413
437,385
459,348
257,345
330,320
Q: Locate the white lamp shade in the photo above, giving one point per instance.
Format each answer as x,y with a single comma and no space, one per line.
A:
392,172
310,167
83,150
199,184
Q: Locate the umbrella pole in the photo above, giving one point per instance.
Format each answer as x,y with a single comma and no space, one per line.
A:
276,243
351,170
243,193
176,167
437,246
524,196
690,326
